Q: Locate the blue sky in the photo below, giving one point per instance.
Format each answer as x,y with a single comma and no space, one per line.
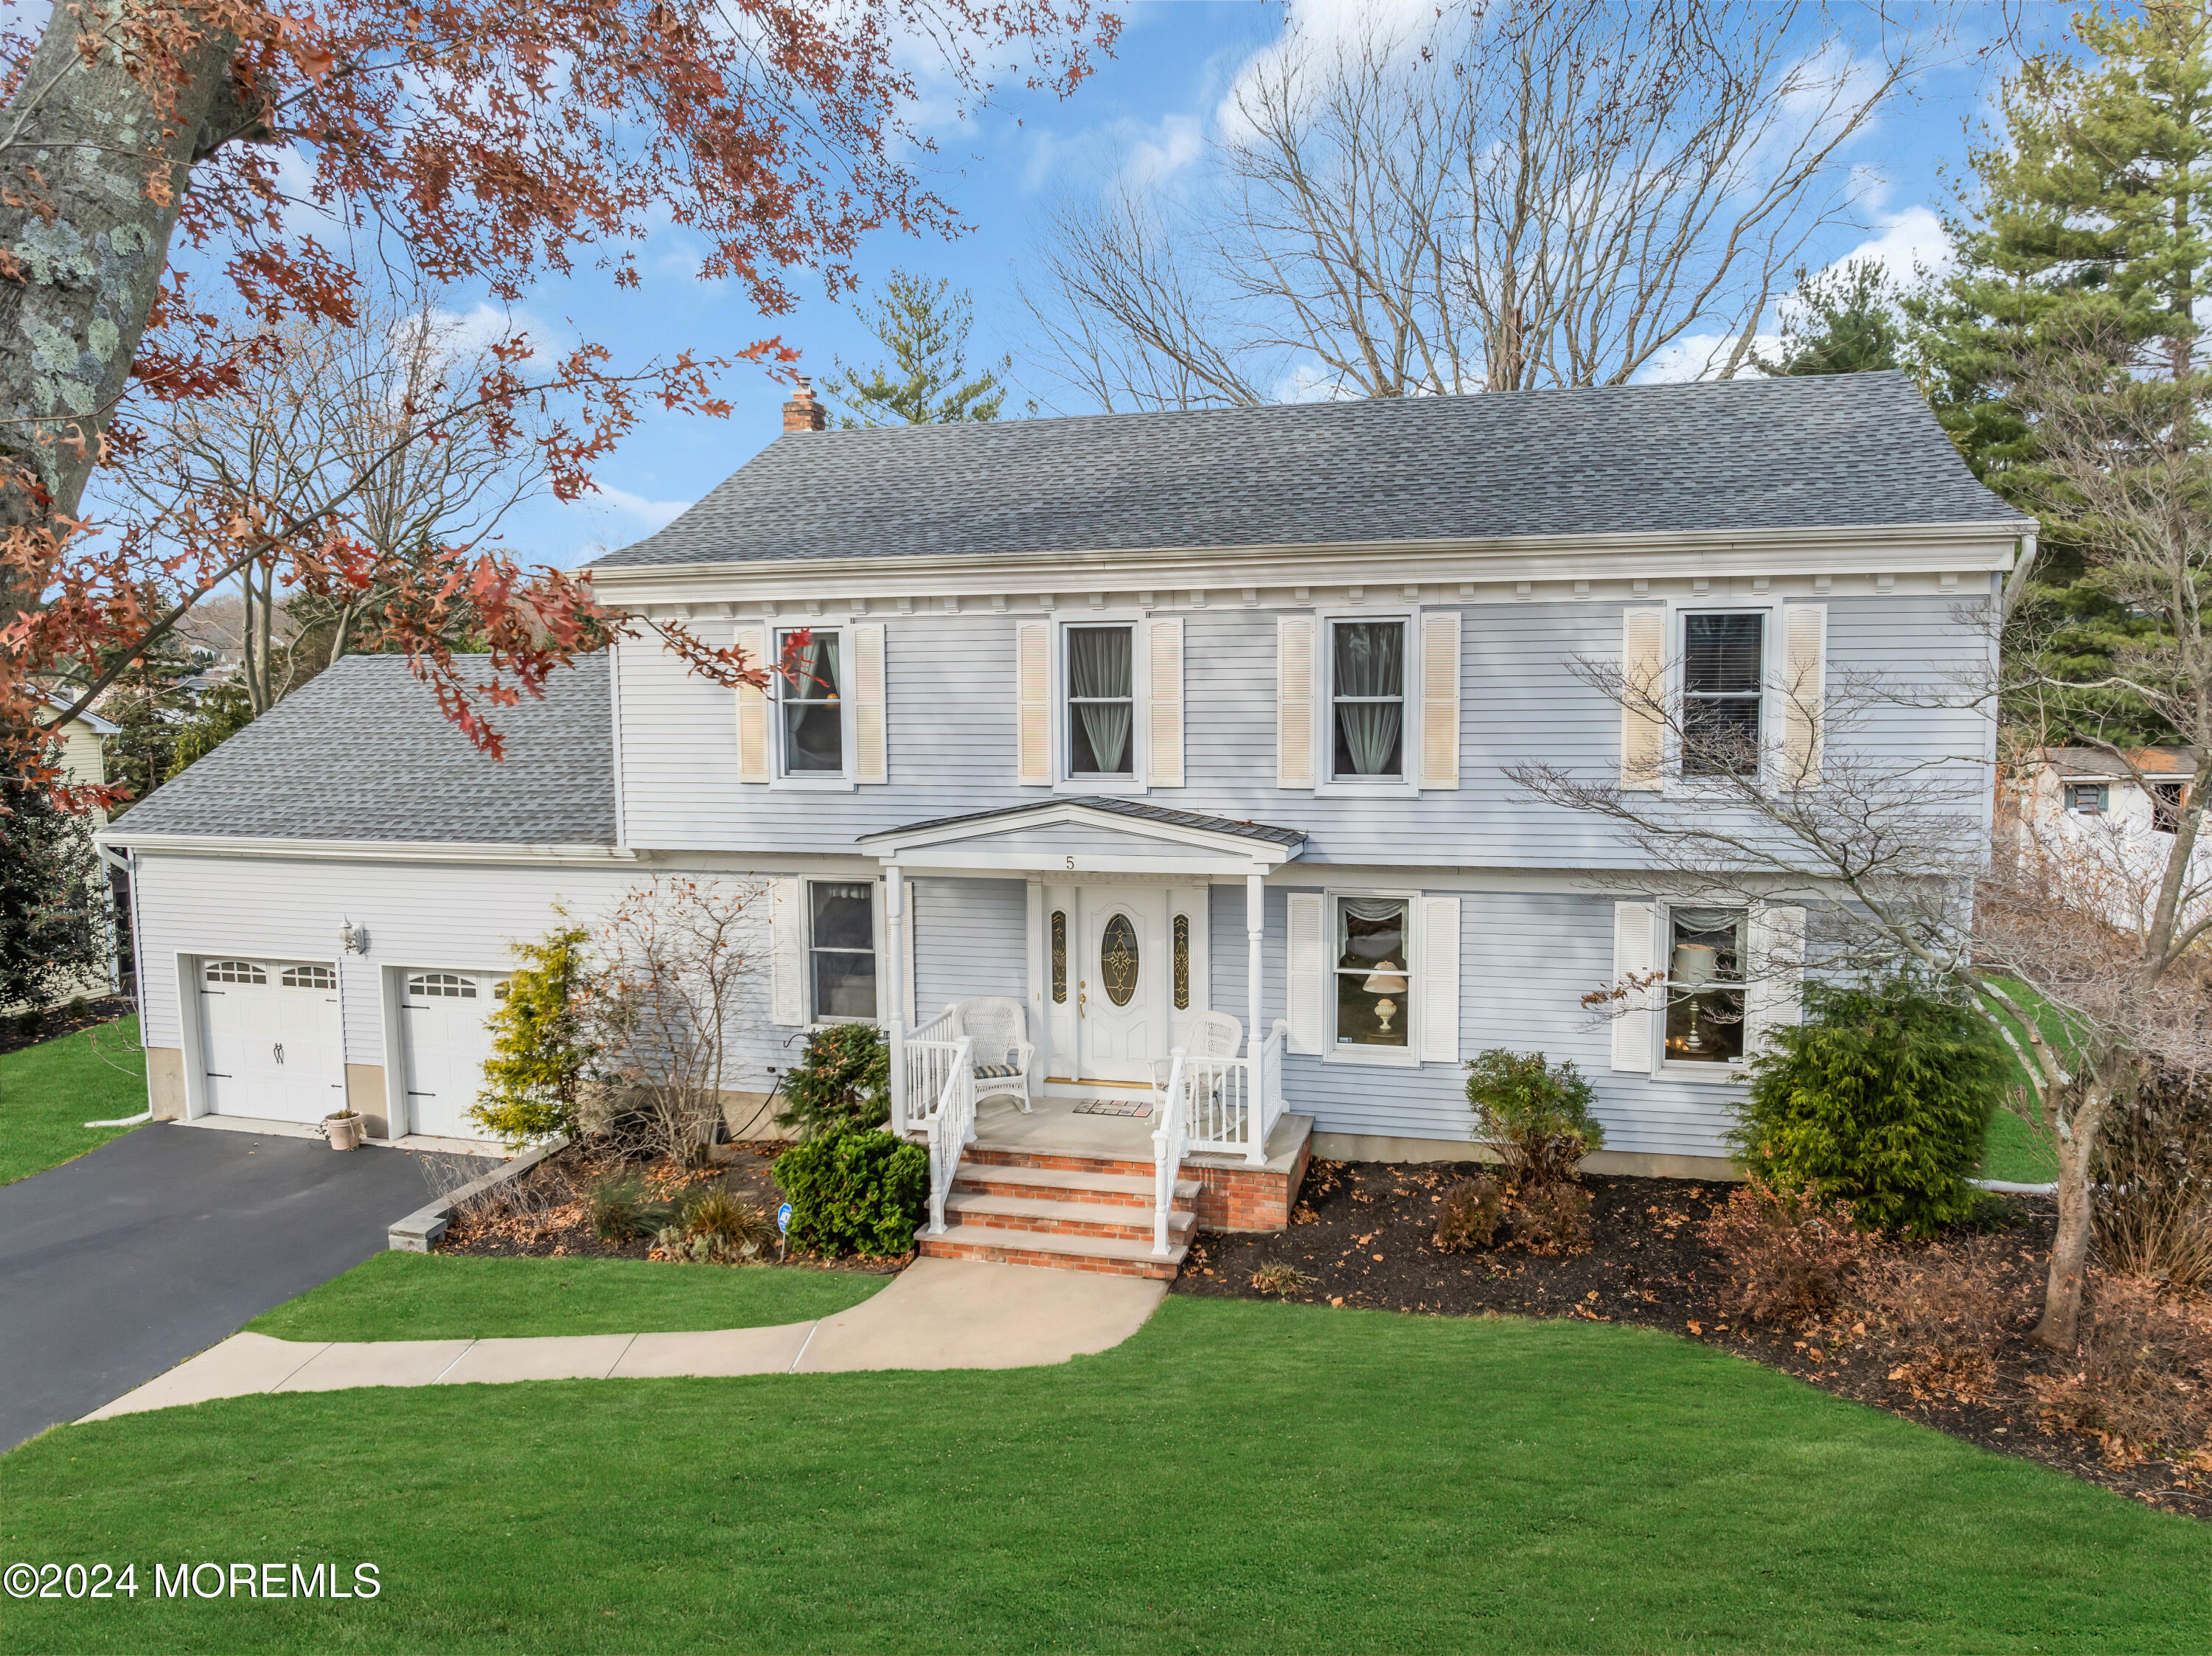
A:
1152,106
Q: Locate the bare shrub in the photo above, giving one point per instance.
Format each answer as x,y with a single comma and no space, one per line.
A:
1280,1278
2151,1202
1470,1212
1787,1257
2143,1386
1552,1219
1945,1310
678,952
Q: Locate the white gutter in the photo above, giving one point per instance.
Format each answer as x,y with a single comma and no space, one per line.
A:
366,850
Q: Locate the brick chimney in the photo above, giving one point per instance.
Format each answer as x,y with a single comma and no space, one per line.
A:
802,412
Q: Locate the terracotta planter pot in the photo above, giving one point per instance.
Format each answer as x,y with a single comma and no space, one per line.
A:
344,1131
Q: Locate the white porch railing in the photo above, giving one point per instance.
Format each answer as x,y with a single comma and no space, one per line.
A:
921,1060
1169,1139
1235,1102
951,1127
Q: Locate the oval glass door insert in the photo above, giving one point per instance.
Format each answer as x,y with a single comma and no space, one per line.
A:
1117,959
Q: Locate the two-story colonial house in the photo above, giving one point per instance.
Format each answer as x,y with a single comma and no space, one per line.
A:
1118,735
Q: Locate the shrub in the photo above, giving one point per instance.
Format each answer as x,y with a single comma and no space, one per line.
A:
1879,1098
1553,1219
2144,1385
1535,1114
540,1049
1280,1278
843,1080
1786,1257
622,1212
2151,1196
731,1226
855,1191
1944,1310
1470,1214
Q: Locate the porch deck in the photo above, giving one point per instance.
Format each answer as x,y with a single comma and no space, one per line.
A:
1052,1126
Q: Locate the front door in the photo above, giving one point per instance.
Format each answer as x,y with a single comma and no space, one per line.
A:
1121,983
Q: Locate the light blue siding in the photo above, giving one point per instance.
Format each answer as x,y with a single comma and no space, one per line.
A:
968,941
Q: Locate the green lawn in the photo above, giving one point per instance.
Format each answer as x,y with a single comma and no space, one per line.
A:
2013,1150
1237,1477
49,1091
435,1296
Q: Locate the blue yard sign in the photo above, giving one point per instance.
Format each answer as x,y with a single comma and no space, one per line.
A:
783,1217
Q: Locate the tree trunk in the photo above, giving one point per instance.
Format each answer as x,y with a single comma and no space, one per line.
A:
2060,1326
95,170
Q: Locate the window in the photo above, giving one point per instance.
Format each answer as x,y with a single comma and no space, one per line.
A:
310,977
1704,986
1101,702
1367,699
809,692
1723,676
433,985
2090,798
841,945
2166,800
1372,999
234,971
1060,957
1182,962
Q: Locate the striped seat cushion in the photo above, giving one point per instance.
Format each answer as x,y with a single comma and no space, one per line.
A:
995,1071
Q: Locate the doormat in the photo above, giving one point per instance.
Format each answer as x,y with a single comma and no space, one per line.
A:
1114,1107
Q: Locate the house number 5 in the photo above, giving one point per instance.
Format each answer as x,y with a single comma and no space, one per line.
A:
1071,862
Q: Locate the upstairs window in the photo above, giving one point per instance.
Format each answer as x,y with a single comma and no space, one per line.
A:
1704,986
2089,798
842,948
1374,998
1101,705
810,692
2165,803
1367,699
1723,658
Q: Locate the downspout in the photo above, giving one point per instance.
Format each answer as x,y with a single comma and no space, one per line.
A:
124,863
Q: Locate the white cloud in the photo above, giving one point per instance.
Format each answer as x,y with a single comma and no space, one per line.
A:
1318,29
1902,241
1174,144
653,514
1698,356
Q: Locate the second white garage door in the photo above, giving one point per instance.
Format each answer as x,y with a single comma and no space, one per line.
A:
272,1045
441,1019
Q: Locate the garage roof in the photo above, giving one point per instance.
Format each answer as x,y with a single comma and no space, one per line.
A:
362,752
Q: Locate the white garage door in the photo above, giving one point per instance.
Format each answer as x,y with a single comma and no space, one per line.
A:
442,1017
272,1038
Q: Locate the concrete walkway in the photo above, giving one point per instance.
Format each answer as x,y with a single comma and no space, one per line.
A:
937,1314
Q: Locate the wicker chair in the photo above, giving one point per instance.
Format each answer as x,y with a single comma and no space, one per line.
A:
1003,1055
1212,1035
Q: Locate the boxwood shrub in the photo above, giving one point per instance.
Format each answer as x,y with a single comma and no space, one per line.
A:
855,1190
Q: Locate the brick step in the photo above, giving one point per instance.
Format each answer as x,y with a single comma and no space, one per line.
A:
1065,1185
1019,1156
1065,1218
1106,1255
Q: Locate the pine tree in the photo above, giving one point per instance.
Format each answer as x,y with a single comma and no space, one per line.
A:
925,326
53,932
2088,227
1845,321
541,1046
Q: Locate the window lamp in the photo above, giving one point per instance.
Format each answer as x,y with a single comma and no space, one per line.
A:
1101,702
813,714
1367,699
1372,986
1723,678
1704,986
842,948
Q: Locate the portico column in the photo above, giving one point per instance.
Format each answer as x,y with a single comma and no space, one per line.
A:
891,992
1255,927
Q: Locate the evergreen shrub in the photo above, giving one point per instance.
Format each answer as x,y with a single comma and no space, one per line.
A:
1535,1114
843,1080
855,1190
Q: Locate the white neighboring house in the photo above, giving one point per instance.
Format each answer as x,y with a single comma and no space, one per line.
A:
2114,815
1125,719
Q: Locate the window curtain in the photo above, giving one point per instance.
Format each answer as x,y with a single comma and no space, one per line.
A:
816,668
1098,665
1370,661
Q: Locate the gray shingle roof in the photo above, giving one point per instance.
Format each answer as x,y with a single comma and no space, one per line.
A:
1822,451
362,753
1142,812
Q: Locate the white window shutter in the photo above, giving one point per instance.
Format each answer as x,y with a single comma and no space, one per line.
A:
1632,924
1440,699
787,951
869,763
752,708
1775,995
1033,713
1294,701
1643,684
1164,689
1307,970
1439,983
1804,690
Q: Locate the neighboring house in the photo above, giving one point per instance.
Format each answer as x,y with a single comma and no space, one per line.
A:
1126,719
2087,807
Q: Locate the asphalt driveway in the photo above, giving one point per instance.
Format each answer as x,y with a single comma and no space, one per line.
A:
118,1266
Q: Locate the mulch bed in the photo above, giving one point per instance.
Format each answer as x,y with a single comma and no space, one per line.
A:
1362,1232
18,1031
550,1215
